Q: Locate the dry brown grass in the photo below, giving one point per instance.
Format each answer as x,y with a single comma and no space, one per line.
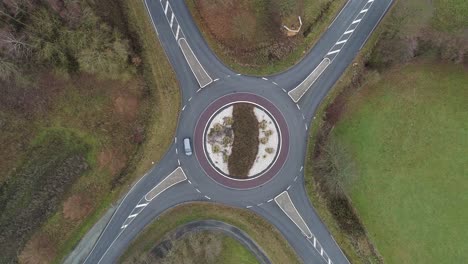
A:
39,250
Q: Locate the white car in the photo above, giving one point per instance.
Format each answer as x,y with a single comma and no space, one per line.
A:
187,147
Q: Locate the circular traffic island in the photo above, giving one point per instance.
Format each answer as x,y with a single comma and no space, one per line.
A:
241,140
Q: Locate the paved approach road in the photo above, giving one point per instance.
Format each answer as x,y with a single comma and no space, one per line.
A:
202,78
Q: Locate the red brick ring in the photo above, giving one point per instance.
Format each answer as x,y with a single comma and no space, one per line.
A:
199,141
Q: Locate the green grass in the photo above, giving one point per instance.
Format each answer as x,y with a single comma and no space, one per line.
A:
316,16
263,233
409,137
234,252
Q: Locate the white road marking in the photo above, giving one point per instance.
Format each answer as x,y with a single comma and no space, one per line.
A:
284,90
341,42
207,197
289,187
124,226
198,90
175,140
183,108
172,20
189,182
356,21
178,161
132,216
259,204
364,10
269,201
347,2
303,117
295,178
176,151
315,242
215,80
177,32
198,191
238,74
321,251
248,206
349,31
274,83
306,127
264,78
165,9
298,107
333,52
228,76
141,205
302,167
190,99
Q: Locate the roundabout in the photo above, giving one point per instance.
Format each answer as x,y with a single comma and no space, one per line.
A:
204,155
282,108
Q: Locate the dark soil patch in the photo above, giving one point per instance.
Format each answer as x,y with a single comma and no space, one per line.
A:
245,145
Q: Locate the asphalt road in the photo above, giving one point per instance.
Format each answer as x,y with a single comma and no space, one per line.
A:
299,117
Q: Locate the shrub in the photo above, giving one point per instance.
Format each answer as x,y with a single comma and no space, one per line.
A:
264,140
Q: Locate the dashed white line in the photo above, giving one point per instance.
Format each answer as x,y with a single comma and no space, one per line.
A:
198,90
190,99
321,251
264,78
341,42
183,108
303,117
215,80
176,151
356,21
284,90
198,191
228,76
306,126
289,187
207,197
260,204
274,83
349,31
269,201
175,140
238,74
302,167
141,205
295,178
248,206
189,182
178,161
124,226
315,242
298,107
333,52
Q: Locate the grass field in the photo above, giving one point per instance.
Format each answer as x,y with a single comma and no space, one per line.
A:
252,39
263,233
408,134
208,247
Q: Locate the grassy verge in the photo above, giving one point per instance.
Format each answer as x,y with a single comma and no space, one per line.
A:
162,112
264,234
206,247
251,41
408,22
407,136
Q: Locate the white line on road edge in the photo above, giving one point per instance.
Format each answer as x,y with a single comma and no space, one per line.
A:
207,197
198,90
190,65
175,140
306,127
339,13
302,167
183,108
248,206
177,32
264,78
378,22
190,99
